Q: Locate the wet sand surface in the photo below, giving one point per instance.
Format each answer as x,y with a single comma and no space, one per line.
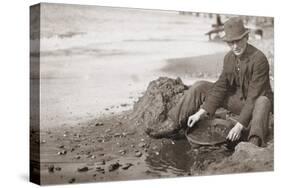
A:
109,150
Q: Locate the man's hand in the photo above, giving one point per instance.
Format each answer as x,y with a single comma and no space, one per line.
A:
235,133
195,117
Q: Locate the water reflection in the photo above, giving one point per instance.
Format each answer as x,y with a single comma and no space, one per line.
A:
172,158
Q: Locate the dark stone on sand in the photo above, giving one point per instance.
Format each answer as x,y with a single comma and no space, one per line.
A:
142,144
51,168
117,135
72,180
83,169
127,166
113,166
138,154
58,168
124,105
99,124
99,169
161,95
63,152
100,163
122,152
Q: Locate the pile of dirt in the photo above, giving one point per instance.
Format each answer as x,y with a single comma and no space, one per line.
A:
246,158
161,95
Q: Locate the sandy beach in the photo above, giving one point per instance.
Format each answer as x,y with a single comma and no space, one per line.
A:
91,78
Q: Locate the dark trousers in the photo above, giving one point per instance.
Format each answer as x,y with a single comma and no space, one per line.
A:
195,96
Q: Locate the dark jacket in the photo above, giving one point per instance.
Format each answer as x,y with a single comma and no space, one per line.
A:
254,82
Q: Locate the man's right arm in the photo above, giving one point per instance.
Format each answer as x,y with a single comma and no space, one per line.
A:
196,117
217,93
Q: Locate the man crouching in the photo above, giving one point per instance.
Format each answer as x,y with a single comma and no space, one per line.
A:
243,88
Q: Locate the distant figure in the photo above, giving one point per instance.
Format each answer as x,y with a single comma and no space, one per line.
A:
258,33
243,88
218,22
218,28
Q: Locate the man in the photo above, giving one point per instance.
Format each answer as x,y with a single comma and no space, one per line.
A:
242,88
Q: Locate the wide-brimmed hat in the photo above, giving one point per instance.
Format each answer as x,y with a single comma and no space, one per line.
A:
234,29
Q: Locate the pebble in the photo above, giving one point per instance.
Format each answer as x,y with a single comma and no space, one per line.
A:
126,166
124,134
78,157
58,168
138,154
83,169
51,168
142,144
63,152
100,163
72,180
113,166
99,124
157,153
100,169
61,146
122,152
117,135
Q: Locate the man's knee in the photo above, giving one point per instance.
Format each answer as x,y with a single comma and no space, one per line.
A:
263,102
200,86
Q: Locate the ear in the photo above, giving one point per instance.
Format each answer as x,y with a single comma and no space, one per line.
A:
247,37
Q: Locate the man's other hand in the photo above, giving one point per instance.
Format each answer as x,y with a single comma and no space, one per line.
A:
235,133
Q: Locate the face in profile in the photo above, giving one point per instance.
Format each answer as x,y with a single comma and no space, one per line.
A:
238,46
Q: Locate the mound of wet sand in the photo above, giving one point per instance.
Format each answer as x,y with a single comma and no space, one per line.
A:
246,158
161,95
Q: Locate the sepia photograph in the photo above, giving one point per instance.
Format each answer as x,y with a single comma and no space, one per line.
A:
129,93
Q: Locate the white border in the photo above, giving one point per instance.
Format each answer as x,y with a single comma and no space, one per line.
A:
14,98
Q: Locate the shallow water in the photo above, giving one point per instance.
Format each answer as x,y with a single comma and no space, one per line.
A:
179,158
173,158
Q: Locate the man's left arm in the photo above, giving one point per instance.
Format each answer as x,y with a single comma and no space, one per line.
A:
257,86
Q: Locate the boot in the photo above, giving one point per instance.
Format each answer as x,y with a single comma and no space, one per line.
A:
165,129
255,140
